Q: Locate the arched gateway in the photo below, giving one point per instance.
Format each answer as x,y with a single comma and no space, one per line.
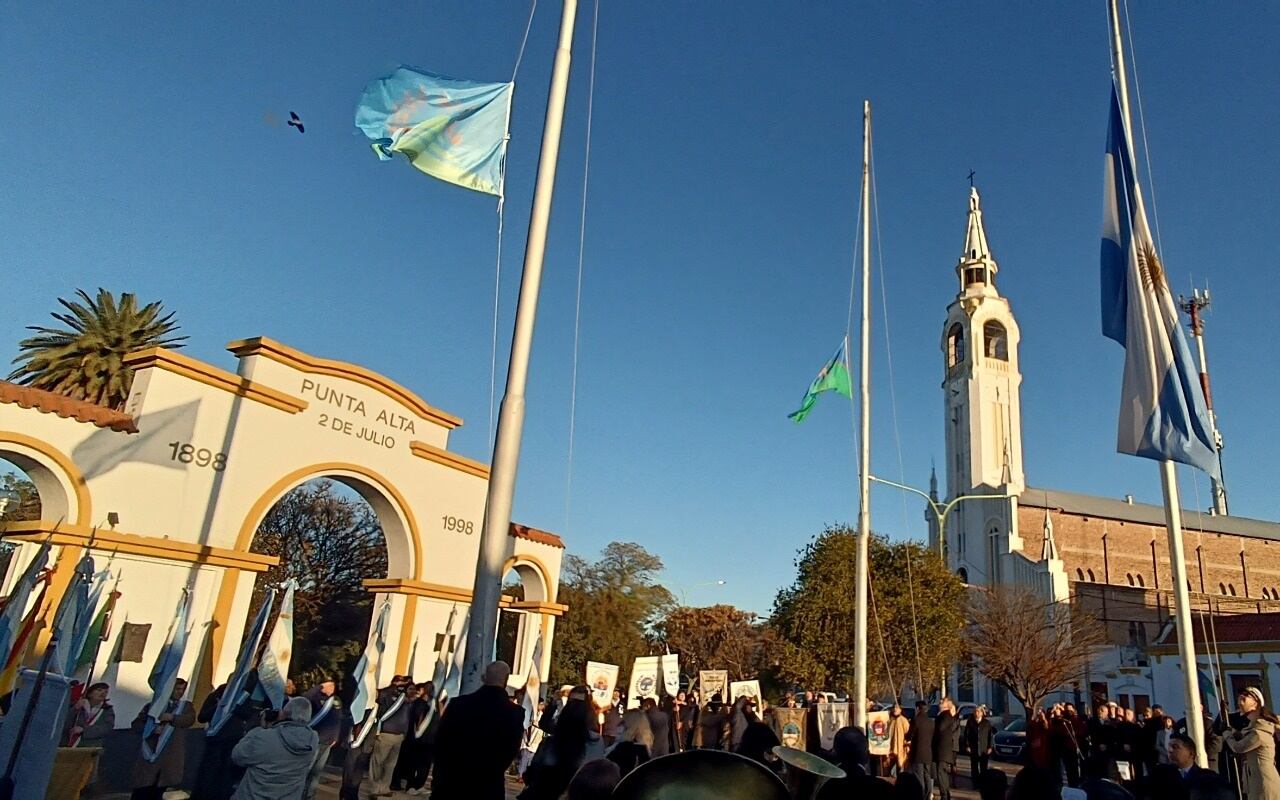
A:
200,455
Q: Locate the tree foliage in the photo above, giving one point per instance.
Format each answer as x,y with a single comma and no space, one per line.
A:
719,637
614,605
27,505
85,360
329,544
914,623
1030,647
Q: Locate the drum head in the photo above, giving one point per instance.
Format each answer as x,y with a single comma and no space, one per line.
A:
701,775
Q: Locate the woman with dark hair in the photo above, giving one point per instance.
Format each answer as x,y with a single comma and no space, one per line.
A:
689,713
91,718
1256,747
574,741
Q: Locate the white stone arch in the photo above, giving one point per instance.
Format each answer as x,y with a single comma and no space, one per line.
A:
64,495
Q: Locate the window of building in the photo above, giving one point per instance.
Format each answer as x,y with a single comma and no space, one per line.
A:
1140,581
993,554
955,346
1079,574
974,275
1222,588
1129,576
995,341
1231,589
963,575
1138,635
1091,578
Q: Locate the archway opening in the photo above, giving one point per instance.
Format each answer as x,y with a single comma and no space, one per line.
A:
19,502
519,628
329,539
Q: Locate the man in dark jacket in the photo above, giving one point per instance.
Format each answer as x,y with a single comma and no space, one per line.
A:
660,724
392,725
277,758
946,731
326,721
979,737
920,737
479,738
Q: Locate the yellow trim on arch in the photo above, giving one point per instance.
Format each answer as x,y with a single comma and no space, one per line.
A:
114,541
452,460
284,354
210,375
549,588
84,504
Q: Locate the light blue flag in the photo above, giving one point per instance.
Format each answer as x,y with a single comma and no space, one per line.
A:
164,675
1163,414
273,666
451,129
234,694
366,674
453,679
15,606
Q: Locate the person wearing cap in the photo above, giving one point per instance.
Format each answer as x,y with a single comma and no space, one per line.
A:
1256,747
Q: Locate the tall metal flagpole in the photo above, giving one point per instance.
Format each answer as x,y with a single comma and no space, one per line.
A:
482,631
1168,477
864,443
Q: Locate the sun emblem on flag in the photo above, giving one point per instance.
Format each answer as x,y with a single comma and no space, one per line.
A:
1150,267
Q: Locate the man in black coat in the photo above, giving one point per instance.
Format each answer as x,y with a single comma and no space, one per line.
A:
326,721
920,737
660,724
979,737
479,738
1201,783
946,731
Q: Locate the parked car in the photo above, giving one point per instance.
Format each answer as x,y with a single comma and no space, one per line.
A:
1011,742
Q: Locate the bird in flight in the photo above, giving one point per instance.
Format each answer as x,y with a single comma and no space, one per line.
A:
295,122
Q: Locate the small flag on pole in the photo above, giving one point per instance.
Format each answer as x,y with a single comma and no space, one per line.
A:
273,667
453,679
1163,413
164,675
533,684
99,631
15,606
833,377
365,702
233,694
18,651
451,129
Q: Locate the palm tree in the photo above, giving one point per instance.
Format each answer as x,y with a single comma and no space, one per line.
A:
86,361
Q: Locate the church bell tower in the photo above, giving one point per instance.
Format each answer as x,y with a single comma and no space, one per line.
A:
981,390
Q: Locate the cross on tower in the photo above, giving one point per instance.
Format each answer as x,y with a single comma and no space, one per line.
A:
971,174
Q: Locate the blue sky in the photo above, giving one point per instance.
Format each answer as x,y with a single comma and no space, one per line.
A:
720,223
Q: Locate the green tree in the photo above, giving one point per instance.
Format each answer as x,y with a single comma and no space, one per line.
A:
718,637
329,544
914,625
26,506
614,605
85,360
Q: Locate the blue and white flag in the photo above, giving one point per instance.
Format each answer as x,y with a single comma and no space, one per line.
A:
366,675
75,614
15,606
1163,414
273,667
234,694
453,679
451,129
163,677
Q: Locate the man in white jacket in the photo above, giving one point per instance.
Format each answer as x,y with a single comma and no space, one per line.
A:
277,759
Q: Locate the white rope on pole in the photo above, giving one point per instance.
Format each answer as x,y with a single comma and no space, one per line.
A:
1142,123
577,304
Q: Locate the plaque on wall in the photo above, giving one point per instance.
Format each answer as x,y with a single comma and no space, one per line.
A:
133,640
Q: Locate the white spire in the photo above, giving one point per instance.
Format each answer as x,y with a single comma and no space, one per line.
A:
976,265
1049,551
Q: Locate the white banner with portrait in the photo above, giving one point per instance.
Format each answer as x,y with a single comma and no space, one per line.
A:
644,680
878,733
670,666
712,682
745,689
603,679
831,718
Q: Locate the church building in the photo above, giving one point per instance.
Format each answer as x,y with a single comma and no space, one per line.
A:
1108,556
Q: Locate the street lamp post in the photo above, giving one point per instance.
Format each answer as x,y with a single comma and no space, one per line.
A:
684,590
940,513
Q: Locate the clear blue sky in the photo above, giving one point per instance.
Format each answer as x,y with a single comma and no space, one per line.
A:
136,156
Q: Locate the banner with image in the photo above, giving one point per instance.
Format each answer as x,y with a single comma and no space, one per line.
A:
603,679
670,665
745,688
789,726
878,733
831,718
712,682
644,680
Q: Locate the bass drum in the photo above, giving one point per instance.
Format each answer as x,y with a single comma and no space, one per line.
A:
701,775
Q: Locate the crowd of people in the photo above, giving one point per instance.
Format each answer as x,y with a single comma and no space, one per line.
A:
578,747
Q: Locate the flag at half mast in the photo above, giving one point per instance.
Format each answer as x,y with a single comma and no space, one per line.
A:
833,377
1163,414
451,129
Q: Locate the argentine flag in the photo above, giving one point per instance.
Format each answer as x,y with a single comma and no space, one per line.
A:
1163,415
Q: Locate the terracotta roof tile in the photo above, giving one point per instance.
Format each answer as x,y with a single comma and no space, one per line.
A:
534,535
66,407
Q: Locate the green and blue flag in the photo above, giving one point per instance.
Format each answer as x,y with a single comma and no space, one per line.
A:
451,129
833,377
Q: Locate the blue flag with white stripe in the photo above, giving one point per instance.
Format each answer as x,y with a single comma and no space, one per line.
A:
451,129
1163,414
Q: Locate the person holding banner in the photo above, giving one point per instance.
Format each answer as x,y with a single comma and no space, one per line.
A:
392,725
163,759
326,721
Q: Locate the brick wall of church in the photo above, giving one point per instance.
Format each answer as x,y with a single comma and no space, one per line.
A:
1120,573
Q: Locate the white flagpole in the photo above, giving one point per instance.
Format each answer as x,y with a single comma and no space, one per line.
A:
864,443
1168,475
506,450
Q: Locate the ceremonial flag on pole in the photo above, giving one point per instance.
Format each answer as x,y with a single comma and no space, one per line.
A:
533,685
451,129
163,677
273,667
99,631
441,671
234,694
453,680
75,612
15,605
833,377
1163,413
18,652
366,676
